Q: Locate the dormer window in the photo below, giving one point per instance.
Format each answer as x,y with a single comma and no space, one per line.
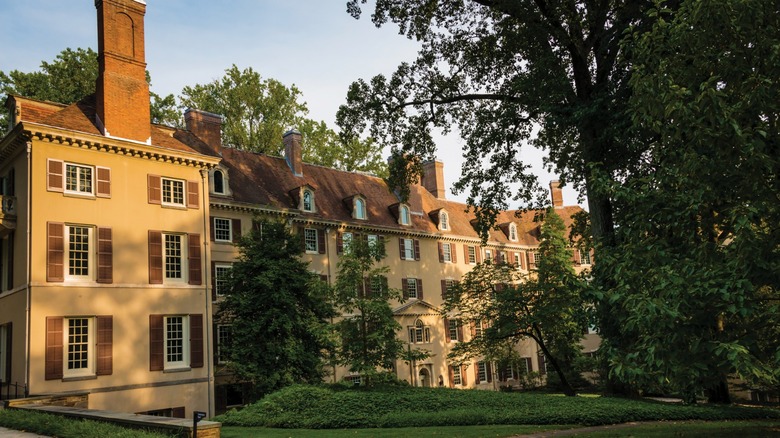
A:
219,182
513,232
444,221
404,216
360,209
308,200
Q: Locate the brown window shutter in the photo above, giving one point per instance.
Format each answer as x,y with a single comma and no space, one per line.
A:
339,243
193,259
321,241
488,372
531,260
419,289
211,228
156,343
405,288
105,343
477,251
460,331
465,253
55,251
178,412
441,252
447,329
324,278
416,249
510,257
196,341
54,348
401,248
522,263
542,367
575,256
444,289
473,327
236,229
155,257
105,258
476,372
453,252
103,182
54,175
213,281
528,365
452,376
463,375
154,187
192,194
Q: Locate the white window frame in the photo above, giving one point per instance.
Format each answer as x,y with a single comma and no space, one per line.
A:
453,330
184,361
404,215
168,190
444,221
513,232
456,377
502,255
479,329
79,190
224,182
446,252
182,256
90,345
411,287
489,255
224,332
419,333
373,240
311,207
517,261
219,279
217,230
585,257
353,378
472,254
482,371
537,257
346,242
409,249
70,252
309,243
360,209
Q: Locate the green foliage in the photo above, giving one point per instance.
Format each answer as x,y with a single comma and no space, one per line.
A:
59,426
696,269
278,311
367,328
320,407
545,305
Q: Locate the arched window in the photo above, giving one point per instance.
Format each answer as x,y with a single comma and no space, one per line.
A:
419,333
404,216
513,232
219,182
360,209
308,200
444,221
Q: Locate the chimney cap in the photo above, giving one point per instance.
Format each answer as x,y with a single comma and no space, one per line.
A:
204,113
292,132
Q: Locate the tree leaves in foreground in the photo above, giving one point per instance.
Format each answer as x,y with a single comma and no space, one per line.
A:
278,312
545,305
697,267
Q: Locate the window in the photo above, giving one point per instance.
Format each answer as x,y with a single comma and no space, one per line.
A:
79,361
346,242
537,257
176,340
411,287
360,208
419,333
79,238
78,179
221,273
482,372
354,379
456,375
172,192
446,252
224,336
373,240
584,257
454,332
478,329
223,230
308,200
517,260
488,255
310,239
444,221
219,182
513,232
447,288
407,249
403,216
174,257
471,253
502,256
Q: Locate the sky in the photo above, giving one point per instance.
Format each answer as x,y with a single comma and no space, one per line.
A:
312,44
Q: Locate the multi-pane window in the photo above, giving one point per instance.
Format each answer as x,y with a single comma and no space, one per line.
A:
360,209
78,179
517,260
310,239
224,336
78,341
502,256
373,240
482,372
488,255
172,191
446,252
221,273
411,287
78,250
308,201
513,232
419,333
346,242
222,230
472,255
354,379
219,182
537,258
174,257
584,258
409,249
478,329
404,215
175,341
456,378
452,328
444,221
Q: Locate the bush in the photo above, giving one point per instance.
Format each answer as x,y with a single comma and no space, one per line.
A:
332,407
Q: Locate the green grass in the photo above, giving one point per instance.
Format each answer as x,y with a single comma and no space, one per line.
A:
55,425
321,407
441,432
741,429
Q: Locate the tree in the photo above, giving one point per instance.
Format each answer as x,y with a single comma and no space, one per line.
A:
545,305
697,279
367,327
70,77
325,147
278,311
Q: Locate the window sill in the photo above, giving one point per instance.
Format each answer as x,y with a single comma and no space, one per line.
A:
174,206
228,242
79,195
78,378
177,370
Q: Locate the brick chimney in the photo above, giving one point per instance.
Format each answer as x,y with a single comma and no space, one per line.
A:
433,178
556,194
292,151
206,126
122,91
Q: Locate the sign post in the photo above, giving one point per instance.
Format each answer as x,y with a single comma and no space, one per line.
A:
196,417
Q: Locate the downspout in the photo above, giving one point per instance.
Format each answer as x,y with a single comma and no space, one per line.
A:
28,272
327,262
206,293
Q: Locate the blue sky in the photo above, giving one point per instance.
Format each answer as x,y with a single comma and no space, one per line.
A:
313,44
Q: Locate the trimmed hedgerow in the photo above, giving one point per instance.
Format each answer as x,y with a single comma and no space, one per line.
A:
320,407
